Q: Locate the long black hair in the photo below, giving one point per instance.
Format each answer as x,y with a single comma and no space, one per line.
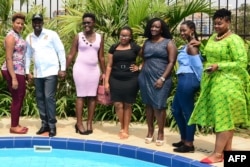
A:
164,28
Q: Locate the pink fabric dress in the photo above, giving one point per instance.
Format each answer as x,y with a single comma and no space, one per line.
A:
86,71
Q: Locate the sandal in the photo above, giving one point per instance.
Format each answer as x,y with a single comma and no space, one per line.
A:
22,131
124,135
149,140
159,142
207,160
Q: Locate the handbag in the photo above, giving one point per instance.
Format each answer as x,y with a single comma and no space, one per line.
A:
103,97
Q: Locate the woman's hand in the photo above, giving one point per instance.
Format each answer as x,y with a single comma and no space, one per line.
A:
102,77
14,84
194,42
106,87
133,68
29,77
212,68
158,84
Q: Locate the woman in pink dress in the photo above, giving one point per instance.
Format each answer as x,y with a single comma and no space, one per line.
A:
86,70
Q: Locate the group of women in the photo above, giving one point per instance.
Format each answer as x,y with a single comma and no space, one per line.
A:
224,92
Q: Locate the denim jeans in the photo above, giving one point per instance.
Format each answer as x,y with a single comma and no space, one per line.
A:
183,104
45,98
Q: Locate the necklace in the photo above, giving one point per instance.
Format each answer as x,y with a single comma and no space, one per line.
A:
222,36
86,42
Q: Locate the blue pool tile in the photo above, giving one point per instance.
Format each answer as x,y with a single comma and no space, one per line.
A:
6,142
42,141
165,159
162,158
198,164
59,143
145,154
93,146
76,144
110,148
181,161
128,151
22,142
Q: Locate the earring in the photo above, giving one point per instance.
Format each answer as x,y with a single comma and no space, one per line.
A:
191,35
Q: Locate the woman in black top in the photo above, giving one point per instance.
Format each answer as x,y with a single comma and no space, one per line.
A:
121,78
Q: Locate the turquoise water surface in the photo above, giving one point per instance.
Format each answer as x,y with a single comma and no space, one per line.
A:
27,157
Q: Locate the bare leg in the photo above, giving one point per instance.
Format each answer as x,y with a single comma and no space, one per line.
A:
222,139
228,146
161,118
127,112
91,111
79,108
150,120
119,112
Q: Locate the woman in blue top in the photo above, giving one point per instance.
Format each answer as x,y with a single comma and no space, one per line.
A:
189,76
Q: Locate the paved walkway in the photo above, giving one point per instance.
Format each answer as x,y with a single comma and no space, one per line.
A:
108,131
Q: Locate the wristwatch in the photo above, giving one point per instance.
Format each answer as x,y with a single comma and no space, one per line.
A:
139,68
162,78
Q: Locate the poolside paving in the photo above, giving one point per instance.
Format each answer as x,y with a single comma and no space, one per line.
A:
108,131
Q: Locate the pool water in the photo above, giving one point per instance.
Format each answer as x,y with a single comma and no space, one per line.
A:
27,157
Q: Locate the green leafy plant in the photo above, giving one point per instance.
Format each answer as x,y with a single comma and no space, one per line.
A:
111,16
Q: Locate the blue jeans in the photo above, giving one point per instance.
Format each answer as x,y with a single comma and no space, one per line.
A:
183,104
45,98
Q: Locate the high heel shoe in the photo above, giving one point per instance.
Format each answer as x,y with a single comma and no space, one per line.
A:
81,132
90,131
149,140
159,142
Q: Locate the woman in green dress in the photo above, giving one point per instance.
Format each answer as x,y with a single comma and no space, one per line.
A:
224,97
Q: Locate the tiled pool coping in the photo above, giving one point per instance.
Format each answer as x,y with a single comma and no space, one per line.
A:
144,154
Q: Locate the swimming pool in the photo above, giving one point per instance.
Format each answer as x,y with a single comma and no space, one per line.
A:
28,157
115,149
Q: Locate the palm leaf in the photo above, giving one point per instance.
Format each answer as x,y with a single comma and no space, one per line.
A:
183,9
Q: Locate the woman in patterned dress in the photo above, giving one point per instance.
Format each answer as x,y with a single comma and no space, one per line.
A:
13,70
86,71
159,56
224,97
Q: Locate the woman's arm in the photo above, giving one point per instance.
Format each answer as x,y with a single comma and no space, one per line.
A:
108,72
172,55
193,47
101,56
9,48
73,50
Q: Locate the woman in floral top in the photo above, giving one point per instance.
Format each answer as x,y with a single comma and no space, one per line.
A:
13,70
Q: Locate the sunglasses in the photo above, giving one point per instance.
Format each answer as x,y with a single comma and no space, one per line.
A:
125,36
86,22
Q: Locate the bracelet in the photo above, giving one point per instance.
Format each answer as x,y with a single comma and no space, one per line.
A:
162,78
139,68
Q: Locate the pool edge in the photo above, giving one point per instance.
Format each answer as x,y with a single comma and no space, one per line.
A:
148,155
